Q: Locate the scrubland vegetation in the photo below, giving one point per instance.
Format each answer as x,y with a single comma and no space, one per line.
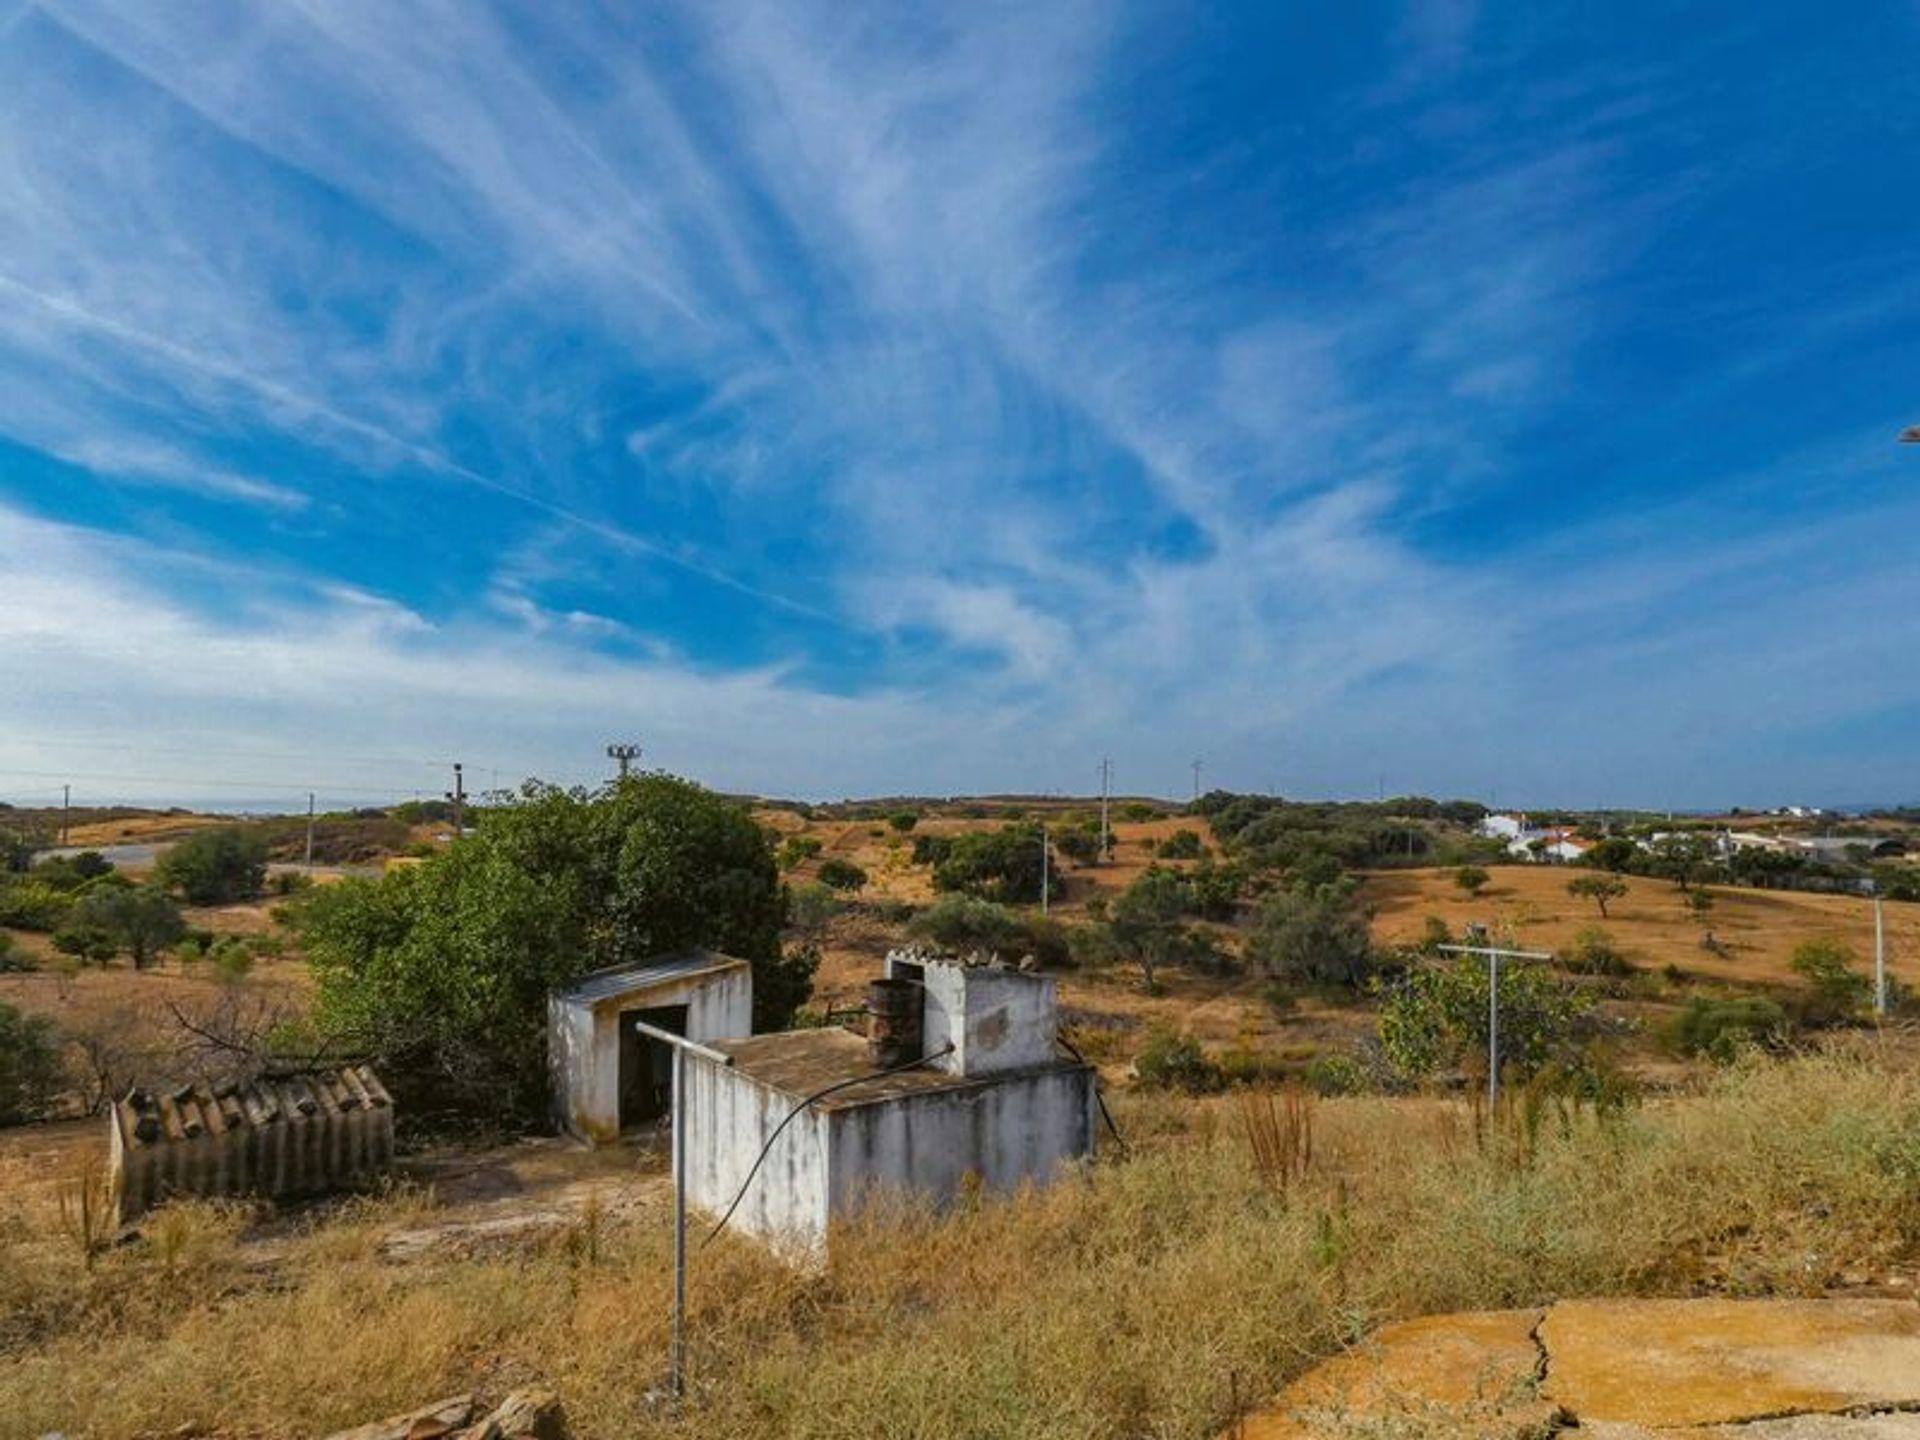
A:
1243,1237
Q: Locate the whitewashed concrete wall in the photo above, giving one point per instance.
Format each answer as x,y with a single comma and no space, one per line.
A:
1006,1130
996,1020
729,1117
1011,1129
583,1044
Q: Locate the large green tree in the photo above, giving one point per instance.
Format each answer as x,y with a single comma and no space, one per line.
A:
140,920
1316,934
216,867
443,969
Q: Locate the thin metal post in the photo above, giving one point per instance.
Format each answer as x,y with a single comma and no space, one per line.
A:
679,1359
1493,1028
1879,960
310,832
1045,882
66,811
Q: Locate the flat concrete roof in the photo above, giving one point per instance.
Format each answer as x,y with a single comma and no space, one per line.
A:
800,1062
642,974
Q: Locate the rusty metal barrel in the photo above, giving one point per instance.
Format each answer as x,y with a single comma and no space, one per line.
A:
894,1013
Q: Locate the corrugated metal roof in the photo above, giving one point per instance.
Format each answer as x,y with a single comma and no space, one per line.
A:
642,974
148,1117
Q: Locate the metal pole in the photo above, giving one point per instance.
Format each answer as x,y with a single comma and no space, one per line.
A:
679,1360
1879,961
66,806
1493,1028
1106,782
310,832
1045,883
677,1355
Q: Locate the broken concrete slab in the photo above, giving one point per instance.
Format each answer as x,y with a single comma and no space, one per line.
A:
430,1422
1479,1369
1900,1426
1686,1364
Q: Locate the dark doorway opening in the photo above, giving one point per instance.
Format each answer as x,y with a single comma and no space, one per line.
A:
646,1065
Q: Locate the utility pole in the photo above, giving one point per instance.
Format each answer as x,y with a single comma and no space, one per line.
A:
66,809
310,832
458,797
1196,778
1106,834
1045,882
1494,957
625,753
1879,960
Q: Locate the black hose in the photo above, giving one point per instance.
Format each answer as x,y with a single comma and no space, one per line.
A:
760,1159
1098,1098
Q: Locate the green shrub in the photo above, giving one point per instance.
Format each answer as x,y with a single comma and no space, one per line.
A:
1182,845
1173,1060
142,922
1434,932
1004,865
841,874
91,944
1317,934
215,867
28,904
903,820
29,1066
1838,989
1722,1029
795,850
811,907
1592,952
1137,811
931,849
12,957
1471,878
1336,1075
966,922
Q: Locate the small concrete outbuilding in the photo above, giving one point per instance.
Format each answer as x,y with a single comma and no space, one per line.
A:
961,1081
608,1078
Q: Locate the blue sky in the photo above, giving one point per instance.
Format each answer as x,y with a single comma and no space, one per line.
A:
1491,400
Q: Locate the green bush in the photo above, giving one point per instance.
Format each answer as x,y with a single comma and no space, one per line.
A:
966,922
1137,811
1172,1060
903,820
143,922
1316,934
1592,952
12,957
1080,846
841,874
29,1066
810,907
1438,1017
215,867
29,904
1336,1075
1722,1029
1003,865
90,944
1182,845
796,849
1838,989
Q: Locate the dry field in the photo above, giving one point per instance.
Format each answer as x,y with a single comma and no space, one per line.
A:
1650,923
1157,1294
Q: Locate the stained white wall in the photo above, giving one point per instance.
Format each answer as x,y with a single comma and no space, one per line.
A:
583,1040
996,1020
1013,1128
729,1117
1005,1130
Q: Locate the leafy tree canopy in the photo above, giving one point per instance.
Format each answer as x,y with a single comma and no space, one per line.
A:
443,969
216,867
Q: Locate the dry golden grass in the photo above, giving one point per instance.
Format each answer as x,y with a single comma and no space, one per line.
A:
1132,1300
1650,923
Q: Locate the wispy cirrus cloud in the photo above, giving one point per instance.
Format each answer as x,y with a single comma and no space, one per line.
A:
898,354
